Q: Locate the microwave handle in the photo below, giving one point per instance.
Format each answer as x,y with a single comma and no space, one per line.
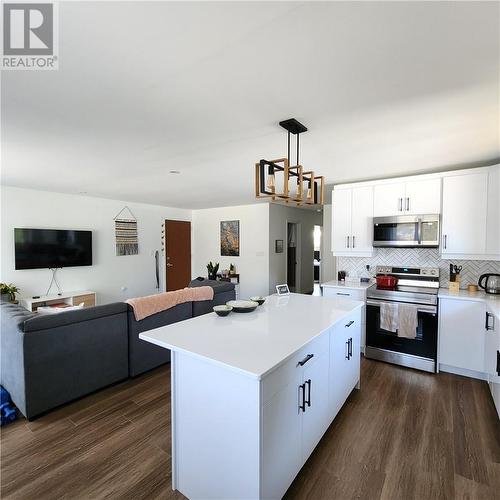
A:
419,231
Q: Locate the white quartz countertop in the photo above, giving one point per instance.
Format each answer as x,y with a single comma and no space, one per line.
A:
352,285
254,343
492,301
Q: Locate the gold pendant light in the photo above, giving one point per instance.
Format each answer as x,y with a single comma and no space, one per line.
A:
294,178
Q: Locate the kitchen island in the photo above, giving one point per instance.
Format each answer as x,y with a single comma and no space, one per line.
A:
252,394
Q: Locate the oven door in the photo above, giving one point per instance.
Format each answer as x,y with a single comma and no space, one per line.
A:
423,345
406,231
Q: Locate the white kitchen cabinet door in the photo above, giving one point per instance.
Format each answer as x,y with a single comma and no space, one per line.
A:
316,417
423,197
281,454
344,368
388,199
353,333
464,214
462,333
493,213
341,220
362,219
491,361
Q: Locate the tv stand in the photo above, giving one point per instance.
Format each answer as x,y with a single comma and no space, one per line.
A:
69,298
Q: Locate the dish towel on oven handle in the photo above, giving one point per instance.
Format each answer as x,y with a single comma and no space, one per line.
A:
407,321
389,312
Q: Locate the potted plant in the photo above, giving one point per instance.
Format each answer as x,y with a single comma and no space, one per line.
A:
232,269
212,270
8,292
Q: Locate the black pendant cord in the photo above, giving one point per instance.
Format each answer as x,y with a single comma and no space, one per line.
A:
288,157
298,135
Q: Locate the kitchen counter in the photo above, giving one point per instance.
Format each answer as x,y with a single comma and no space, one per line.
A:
353,285
254,343
492,301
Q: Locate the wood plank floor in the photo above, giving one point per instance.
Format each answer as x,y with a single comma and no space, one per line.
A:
404,435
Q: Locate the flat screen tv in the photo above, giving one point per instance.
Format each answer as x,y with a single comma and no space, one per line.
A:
51,248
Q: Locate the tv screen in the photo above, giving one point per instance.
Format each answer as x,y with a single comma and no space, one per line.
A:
50,248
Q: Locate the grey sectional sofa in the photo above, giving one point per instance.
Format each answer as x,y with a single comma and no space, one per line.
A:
49,360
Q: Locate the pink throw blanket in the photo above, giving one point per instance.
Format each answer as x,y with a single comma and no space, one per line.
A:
152,304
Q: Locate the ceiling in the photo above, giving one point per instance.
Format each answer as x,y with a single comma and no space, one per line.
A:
385,88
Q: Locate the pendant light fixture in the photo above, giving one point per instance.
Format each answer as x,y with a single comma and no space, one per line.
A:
294,178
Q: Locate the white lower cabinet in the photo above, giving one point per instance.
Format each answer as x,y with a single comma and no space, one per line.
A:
345,292
315,414
461,336
344,361
492,357
301,398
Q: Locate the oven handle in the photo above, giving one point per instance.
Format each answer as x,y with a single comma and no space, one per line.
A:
420,308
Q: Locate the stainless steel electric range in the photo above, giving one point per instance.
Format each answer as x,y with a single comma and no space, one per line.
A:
417,286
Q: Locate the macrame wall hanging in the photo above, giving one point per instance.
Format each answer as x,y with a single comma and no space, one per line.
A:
127,242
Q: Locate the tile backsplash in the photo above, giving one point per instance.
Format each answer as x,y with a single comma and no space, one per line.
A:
417,257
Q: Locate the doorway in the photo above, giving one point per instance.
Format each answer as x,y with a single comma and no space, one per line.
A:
177,254
293,256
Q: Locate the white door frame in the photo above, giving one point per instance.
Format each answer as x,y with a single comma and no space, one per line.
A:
298,253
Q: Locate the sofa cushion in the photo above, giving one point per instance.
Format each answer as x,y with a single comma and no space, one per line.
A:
45,321
218,286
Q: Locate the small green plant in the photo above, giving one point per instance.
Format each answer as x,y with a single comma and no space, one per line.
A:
212,270
9,290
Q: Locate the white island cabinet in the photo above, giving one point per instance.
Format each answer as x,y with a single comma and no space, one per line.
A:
252,394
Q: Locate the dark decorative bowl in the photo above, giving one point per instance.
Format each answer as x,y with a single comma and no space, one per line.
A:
223,310
243,306
260,300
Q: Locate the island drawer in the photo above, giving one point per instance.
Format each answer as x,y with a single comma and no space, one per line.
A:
341,292
291,370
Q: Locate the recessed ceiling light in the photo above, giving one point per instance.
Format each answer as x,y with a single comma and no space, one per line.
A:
174,172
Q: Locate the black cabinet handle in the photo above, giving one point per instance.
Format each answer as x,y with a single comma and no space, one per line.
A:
302,389
345,294
350,348
498,363
308,400
347,355
305,360
349,324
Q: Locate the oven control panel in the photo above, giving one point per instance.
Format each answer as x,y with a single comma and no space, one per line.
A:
430,272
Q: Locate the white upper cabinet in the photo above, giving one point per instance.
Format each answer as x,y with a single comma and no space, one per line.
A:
423,197
388,199
493,213
413,197
341,220
464,214
352,221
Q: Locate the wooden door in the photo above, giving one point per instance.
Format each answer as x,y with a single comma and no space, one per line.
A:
178,254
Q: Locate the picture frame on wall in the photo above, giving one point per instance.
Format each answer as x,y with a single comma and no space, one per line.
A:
278,246
230,238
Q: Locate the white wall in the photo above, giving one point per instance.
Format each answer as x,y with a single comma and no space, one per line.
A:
253,262
279,215
109,273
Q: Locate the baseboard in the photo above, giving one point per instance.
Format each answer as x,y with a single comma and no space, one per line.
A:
463,371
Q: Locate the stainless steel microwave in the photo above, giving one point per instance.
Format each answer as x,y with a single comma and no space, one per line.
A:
406,231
